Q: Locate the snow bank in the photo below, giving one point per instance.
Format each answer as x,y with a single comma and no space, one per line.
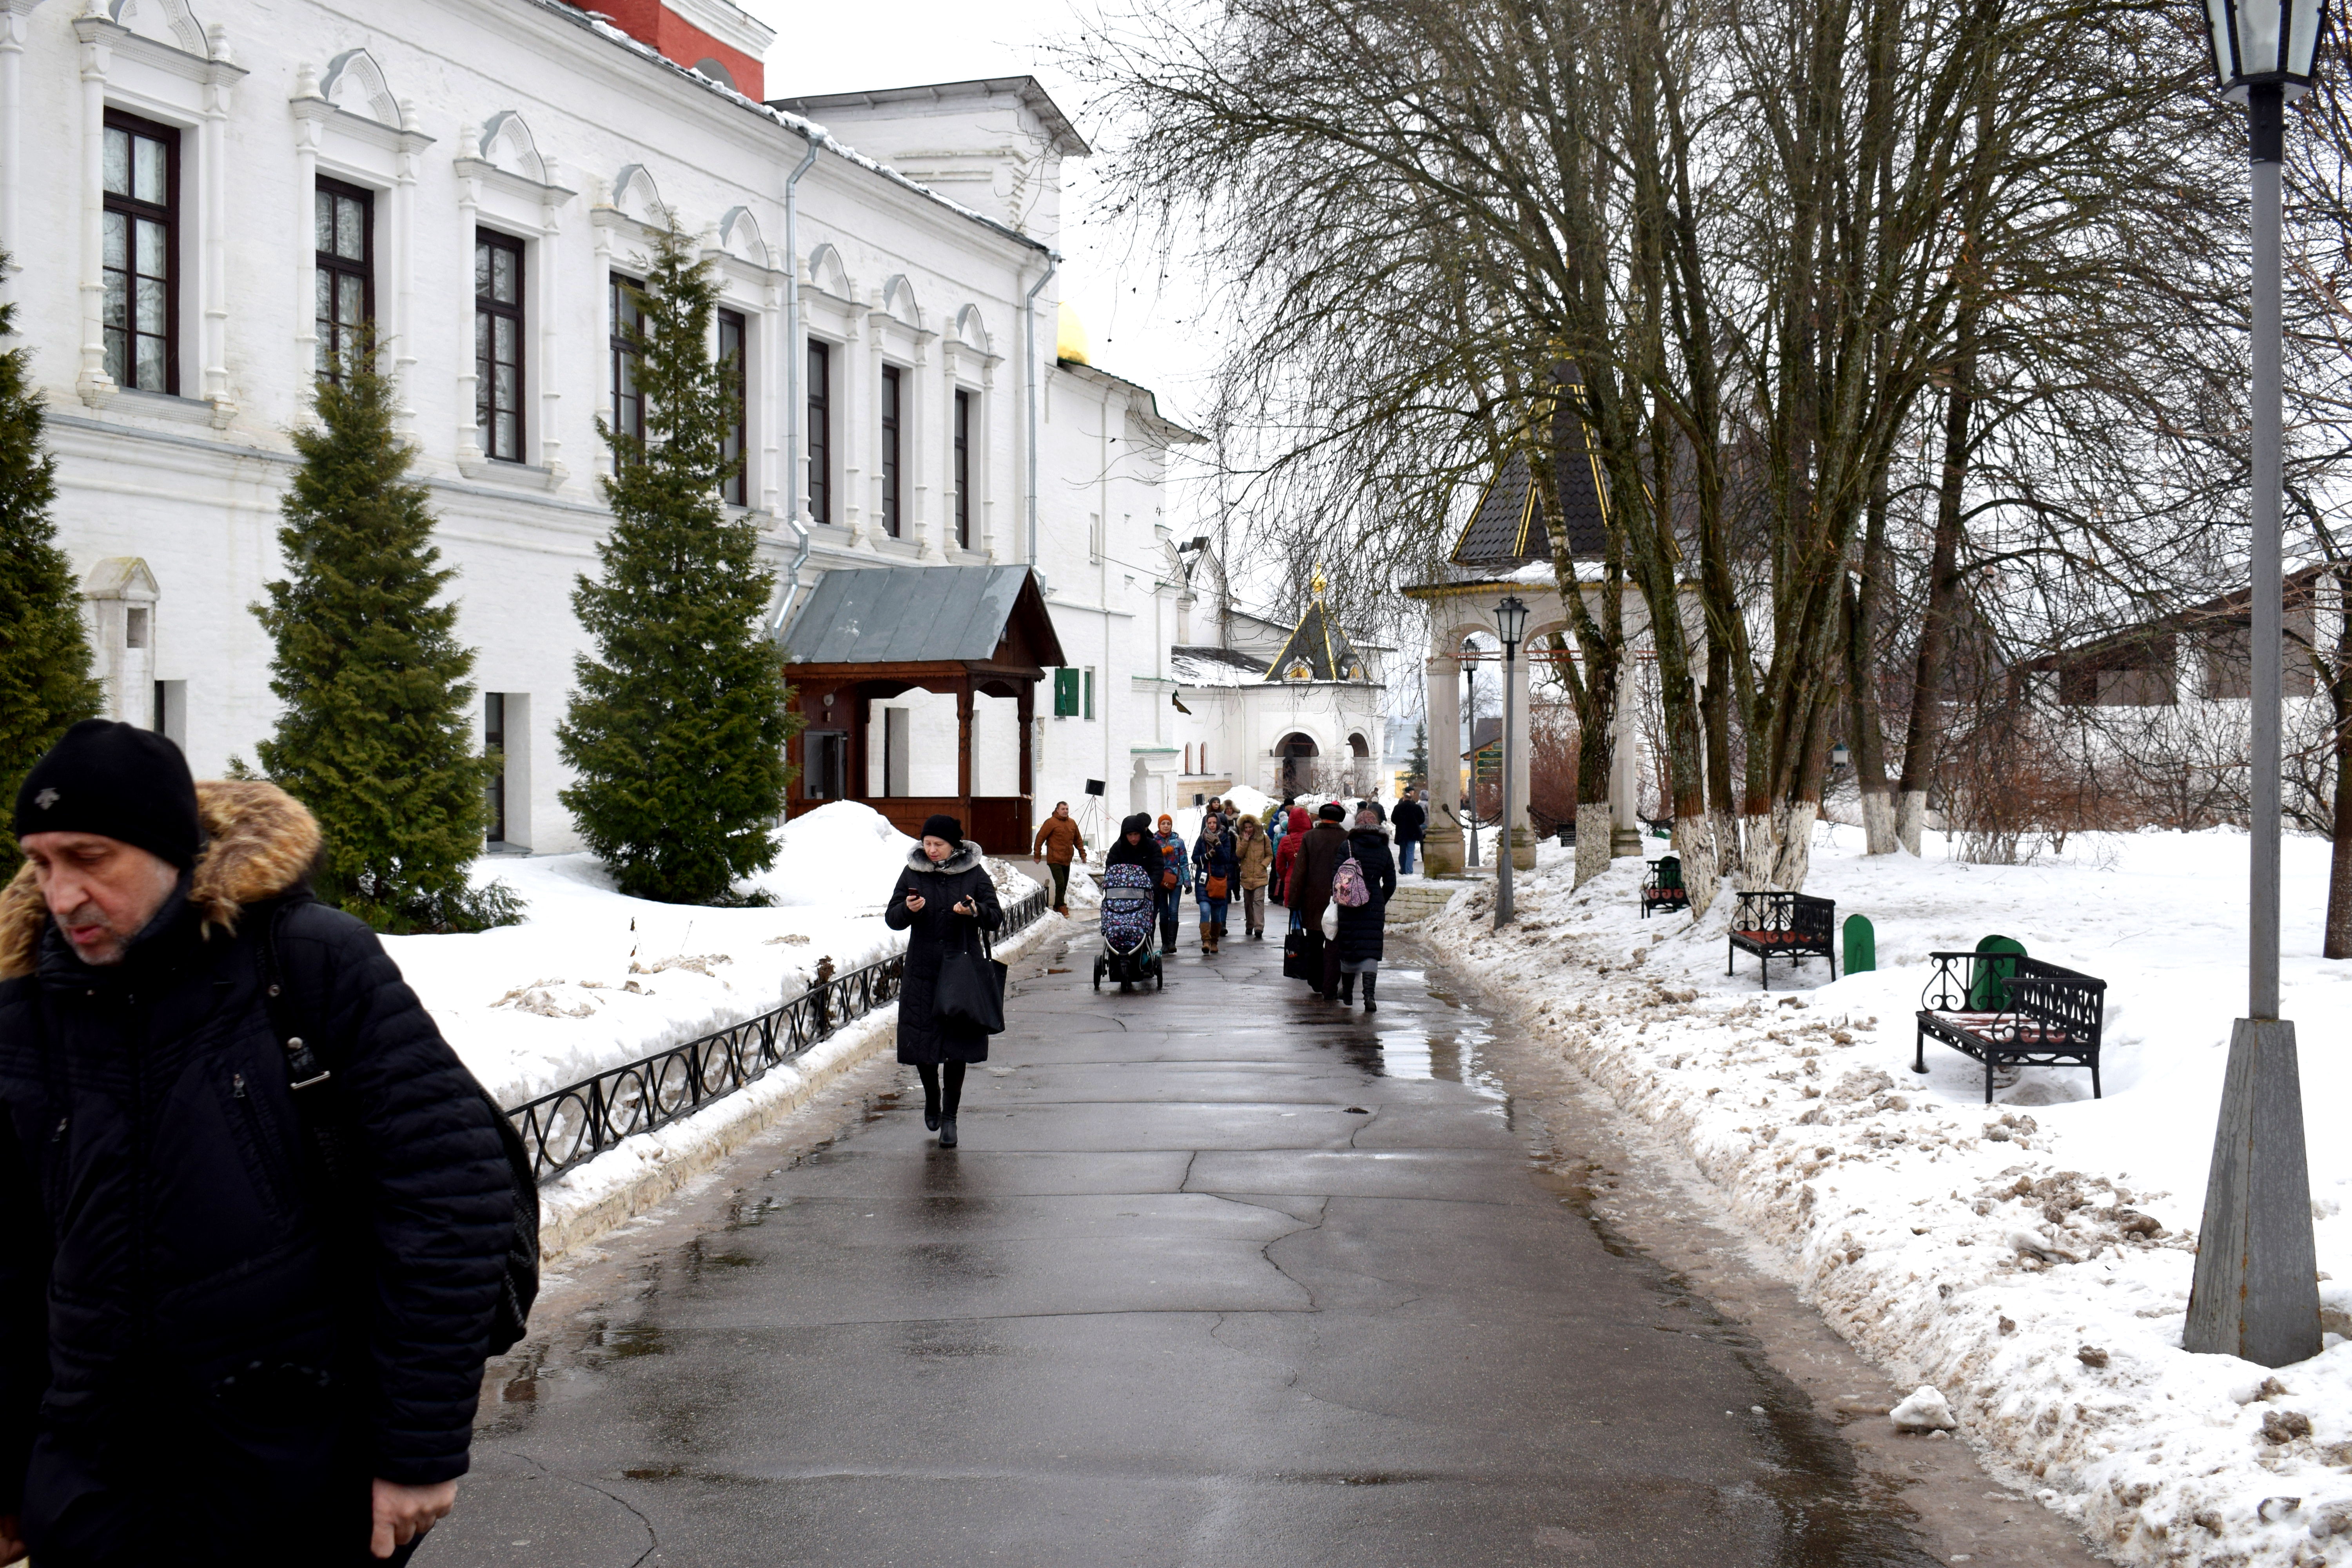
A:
2030,1259
592,978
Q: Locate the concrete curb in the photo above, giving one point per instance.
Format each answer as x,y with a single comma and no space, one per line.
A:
725,1127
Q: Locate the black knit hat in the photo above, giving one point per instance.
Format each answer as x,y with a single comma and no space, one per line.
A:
942,826
117,781
1333,812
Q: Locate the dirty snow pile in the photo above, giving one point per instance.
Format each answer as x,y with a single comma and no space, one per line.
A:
591,978
2028,1260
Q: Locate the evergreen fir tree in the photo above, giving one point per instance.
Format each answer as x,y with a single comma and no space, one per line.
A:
677,726
45,683
1420,762
377,733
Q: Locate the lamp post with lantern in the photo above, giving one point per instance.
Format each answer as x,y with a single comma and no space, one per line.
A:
2256,1294
1510,626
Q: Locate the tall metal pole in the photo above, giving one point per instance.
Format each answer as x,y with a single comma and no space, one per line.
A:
1504,914
1470,802
2266,122
2255,1293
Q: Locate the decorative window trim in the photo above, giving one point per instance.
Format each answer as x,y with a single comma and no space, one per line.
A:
183,62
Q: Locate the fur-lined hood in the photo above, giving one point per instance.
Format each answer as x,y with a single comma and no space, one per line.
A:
965,858
260,842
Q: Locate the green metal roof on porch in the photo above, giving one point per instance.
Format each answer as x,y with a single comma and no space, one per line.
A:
920,614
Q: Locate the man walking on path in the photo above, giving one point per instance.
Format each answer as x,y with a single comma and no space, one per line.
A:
212,1350
1412,822
1056,842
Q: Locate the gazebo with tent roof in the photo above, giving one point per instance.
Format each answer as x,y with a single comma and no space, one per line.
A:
1506,547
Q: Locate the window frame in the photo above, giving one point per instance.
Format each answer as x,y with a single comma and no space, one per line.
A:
339,267
132,211
624,345
486,405
818,418
736,488
964,402
890,459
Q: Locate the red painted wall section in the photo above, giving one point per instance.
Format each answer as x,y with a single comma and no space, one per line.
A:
651,22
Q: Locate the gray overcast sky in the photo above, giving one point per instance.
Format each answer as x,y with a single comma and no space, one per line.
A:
1114,287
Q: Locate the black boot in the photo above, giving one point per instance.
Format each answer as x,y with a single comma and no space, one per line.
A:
931,1076
1370,1005
947,1133
1347,990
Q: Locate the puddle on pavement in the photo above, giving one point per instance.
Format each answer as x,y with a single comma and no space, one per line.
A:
632,1340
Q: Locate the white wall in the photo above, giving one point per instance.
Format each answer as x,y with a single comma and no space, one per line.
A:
593,141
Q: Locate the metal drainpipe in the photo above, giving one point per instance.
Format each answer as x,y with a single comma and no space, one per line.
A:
794,352
1029,325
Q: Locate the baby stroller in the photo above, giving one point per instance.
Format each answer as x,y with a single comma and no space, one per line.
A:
1130,919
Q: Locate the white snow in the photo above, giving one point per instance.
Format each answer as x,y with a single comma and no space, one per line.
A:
591,978
1924,1411
2031,1259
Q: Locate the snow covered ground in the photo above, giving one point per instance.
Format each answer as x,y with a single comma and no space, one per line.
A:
591,978
2030,1259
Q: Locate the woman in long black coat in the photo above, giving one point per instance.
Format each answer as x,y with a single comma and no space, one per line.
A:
1363,928
943,901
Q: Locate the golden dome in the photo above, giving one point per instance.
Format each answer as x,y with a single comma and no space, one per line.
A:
1070,337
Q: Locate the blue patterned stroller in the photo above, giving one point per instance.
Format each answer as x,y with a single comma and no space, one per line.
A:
1130,920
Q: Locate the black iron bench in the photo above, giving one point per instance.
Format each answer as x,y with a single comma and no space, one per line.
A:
2005,1009
1782,925
1662,886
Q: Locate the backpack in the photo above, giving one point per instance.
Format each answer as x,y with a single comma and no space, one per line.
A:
331,1141
1348,884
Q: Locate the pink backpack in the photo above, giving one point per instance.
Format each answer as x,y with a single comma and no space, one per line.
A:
1348,884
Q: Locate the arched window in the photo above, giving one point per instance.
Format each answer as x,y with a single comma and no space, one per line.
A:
1358,746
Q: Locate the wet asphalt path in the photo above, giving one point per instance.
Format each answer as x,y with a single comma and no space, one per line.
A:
1221,1275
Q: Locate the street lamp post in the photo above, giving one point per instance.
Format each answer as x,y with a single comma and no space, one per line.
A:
1510,625
1470,801
2257,1293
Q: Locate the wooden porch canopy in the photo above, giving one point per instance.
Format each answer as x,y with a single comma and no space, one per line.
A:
871,634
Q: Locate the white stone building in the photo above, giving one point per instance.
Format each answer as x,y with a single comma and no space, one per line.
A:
200,196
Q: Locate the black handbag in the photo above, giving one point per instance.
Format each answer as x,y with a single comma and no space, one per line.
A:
971,991
1294,951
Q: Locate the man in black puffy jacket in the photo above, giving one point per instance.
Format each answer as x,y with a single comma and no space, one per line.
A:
206,1356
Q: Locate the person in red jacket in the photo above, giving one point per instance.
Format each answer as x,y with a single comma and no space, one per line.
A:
1286,854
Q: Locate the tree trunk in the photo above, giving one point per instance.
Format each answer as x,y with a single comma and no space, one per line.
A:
1868,736
1923,737
2337,942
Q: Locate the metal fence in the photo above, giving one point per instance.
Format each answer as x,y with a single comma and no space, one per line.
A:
581,1121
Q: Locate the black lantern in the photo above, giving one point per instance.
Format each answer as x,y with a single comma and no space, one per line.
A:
1511,622
2259,43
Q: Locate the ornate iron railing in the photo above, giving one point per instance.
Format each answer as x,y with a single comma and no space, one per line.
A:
581,1121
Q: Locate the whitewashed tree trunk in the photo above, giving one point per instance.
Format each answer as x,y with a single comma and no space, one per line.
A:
1702,874
1910,818
1793,859
1756,841
1592,826
1878,823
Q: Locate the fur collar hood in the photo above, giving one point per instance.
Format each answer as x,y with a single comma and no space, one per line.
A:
260,843
966,857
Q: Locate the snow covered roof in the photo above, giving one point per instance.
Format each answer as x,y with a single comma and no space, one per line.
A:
1062,135
1214,667
921,614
